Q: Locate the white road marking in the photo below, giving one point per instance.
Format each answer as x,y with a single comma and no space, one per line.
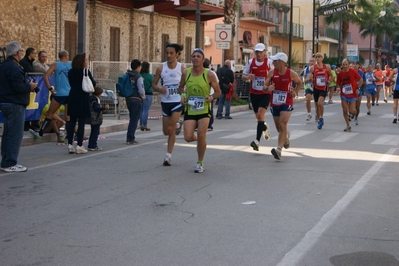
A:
294,256
340,137
391,140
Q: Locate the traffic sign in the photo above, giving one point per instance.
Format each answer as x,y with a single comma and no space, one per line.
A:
223,32
223,45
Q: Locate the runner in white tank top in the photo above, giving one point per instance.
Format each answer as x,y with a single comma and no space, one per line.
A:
170,79
169,73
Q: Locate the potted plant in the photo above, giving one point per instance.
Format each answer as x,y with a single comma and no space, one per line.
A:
251,13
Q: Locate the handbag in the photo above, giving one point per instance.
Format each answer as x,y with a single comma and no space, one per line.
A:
87,85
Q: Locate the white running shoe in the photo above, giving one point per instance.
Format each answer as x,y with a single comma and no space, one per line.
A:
255,145
178,126
276,153
15,168
167,161
199,168
266,133
71,149
309,117
80,150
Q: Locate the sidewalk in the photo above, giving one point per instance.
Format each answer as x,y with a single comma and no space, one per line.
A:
111,124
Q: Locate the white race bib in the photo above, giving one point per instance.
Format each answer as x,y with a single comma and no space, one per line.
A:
196,103
321,81
258,83
172,89
347,89
279,97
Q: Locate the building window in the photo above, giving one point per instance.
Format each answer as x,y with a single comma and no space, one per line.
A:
165,40
276,49
187,48
71,38
115,44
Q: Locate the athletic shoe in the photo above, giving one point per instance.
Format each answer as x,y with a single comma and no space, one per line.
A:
356,122
320,123
255,145
15,168
178,126
199,168
210,128
35,134
376,104
287,141
276,153
60,138
395,120
351,117
330,102
229,117
95,149
80,150
348,129
133,142
372,104
167,161
71,149
266,132
316,119
369,112
385,100
309,117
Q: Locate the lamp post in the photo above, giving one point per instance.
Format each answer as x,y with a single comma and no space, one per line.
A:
197,24
382,13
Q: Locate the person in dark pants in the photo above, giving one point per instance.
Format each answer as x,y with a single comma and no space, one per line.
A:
78,102
14,97
226,77
207,64
96,118
134,102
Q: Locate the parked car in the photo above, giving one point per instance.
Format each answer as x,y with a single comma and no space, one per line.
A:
109,97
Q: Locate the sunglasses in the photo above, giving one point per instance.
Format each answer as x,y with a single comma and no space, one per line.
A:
319,56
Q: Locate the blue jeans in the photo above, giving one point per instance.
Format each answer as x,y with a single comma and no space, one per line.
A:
134,107
94,132
222,101
145,108
13,132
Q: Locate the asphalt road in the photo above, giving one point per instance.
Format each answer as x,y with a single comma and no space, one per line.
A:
331,200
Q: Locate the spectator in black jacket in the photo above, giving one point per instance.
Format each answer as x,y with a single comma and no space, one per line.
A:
14,97
27,61
226,77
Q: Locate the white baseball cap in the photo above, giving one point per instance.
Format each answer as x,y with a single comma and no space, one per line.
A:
279,56
260,47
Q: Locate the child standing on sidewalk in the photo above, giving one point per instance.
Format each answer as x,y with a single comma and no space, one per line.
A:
96,118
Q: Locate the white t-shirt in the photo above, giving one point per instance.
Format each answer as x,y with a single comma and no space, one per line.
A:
170,78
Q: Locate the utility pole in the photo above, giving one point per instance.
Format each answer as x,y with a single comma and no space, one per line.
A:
82,26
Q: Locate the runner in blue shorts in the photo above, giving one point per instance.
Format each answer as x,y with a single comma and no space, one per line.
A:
371,88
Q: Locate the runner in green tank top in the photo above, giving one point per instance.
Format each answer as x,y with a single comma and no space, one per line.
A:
197,99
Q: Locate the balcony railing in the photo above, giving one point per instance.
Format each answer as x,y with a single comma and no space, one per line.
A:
261,12
297,29
218,3
332,33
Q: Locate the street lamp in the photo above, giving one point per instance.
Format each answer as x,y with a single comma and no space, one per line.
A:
382,13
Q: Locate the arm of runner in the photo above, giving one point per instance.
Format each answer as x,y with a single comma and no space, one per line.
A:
298,81
246,75
215,85
392,76
155,82
268,86
182,84
48,73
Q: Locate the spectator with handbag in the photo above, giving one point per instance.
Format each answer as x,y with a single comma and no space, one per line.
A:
78,102
226,77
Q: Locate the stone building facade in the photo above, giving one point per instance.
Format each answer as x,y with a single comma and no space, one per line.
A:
51,25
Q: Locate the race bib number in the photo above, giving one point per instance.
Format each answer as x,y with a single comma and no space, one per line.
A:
258,83
172,89
321,81
196,103
279,97
347,89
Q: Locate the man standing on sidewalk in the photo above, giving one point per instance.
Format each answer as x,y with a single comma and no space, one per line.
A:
14,97
170,73
226,79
